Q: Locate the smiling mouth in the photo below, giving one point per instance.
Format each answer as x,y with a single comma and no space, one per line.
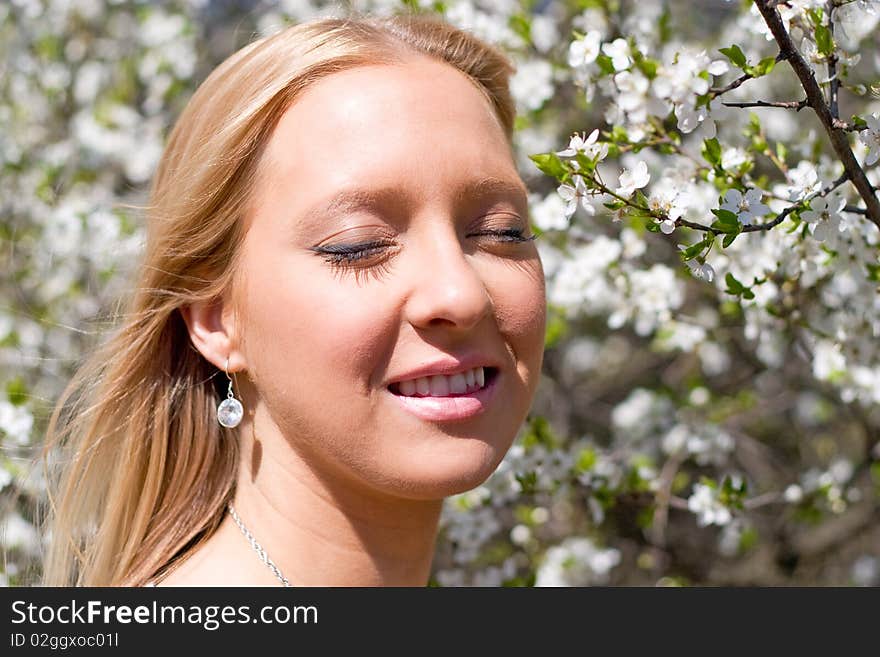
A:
490,373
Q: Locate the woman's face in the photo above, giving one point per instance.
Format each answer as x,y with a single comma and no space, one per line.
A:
407,170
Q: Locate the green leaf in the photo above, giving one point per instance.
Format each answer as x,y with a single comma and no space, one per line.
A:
605,64
694,250
735,55
539,432
754,126
824,42
781,151
16,391
550,164
859,122
645,64
727,221
648,67
663,26
619,134
522,26
586,459
764,66
587,165
711,152
728,239
557,327
733,285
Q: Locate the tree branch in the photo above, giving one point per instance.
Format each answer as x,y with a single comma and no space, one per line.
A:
796,105
832,66
714,93
837,135
848,127
825,191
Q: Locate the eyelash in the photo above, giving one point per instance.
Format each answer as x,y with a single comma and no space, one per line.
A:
344,258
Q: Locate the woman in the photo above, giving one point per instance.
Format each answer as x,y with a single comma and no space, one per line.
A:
337,240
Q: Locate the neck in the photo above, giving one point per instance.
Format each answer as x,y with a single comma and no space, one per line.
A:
327,529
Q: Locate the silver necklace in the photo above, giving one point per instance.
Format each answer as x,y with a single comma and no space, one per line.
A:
257,547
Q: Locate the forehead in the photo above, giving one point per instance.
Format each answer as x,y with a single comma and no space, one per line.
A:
384,125
419,91
398,138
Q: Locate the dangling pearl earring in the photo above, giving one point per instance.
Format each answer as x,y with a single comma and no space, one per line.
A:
230,410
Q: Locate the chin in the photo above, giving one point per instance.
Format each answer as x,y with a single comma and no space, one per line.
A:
461,468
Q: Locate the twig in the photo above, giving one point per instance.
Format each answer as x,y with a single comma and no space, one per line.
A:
664,494
714,93
832,65
779,218
837,124
817,101
854,209
796,105
773,497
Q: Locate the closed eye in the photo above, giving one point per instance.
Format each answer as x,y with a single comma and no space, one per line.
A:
508,235
348,257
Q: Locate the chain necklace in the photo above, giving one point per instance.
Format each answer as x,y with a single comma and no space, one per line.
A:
257,547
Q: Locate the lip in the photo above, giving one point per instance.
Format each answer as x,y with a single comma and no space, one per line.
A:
446,366
447,409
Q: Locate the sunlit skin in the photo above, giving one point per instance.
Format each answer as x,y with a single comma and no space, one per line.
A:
339,484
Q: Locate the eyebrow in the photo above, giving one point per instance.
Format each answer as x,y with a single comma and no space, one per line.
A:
353,200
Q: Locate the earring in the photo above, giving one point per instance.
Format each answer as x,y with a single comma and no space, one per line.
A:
230,410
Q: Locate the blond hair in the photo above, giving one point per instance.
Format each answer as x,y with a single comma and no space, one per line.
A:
144,470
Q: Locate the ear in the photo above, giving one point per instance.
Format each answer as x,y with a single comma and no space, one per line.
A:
211,326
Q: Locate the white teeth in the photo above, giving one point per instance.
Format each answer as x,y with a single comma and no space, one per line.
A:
457,384
442,386
439,386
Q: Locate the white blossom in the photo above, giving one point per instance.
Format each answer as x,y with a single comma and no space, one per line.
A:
666,198
618,51
550,213
708,508
532,84
870,137
823,216
575,194
588,145
746,206
584,51
630,181
16,422
577,561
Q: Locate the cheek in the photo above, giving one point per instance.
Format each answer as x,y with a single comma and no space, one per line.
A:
521,309
304,332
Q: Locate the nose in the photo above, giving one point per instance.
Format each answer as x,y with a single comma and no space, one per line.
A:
445,287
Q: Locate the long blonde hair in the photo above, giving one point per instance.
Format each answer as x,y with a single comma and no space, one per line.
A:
139,469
